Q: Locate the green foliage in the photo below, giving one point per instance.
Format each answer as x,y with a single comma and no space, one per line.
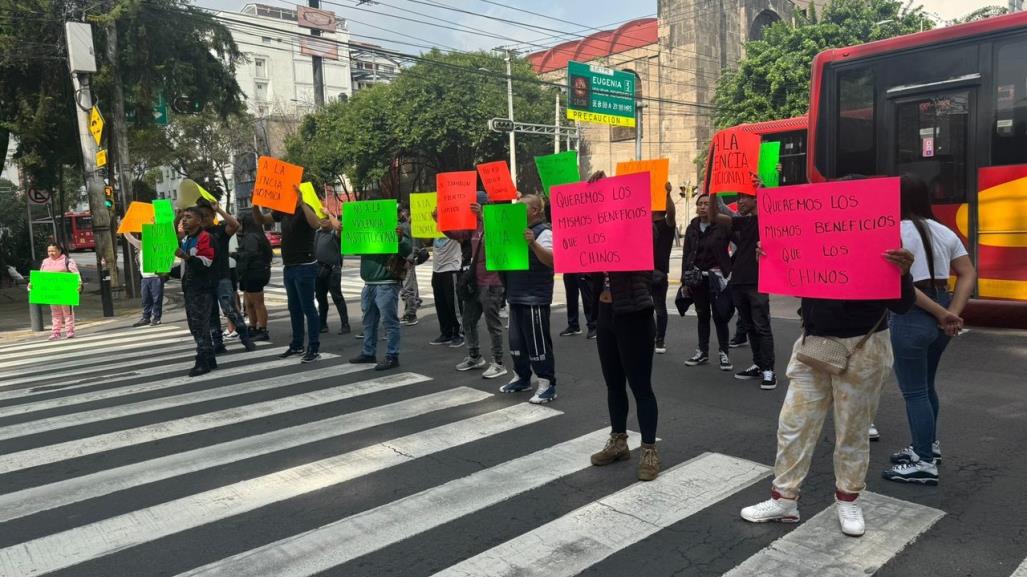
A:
772,81
982,13
432,118
15,249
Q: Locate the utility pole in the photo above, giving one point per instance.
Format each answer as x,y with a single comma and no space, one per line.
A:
82,62
119,132
556,123
510,115
319,77
638,130
1015,5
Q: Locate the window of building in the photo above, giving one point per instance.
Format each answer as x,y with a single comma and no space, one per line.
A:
265,39
1009,127
855,138
761,22
260,67
260,91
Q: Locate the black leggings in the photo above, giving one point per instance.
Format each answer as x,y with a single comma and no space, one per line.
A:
660,300
705,308
626,344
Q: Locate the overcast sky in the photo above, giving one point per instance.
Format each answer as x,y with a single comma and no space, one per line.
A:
370,22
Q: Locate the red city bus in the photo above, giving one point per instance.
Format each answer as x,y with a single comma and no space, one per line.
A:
950,106
791,133
78,231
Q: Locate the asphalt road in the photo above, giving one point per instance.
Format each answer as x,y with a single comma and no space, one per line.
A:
112,465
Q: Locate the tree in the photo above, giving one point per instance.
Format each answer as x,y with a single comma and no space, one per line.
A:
772,80
14,235
982,13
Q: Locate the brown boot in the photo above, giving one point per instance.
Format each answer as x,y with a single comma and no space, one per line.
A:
649,464
616,449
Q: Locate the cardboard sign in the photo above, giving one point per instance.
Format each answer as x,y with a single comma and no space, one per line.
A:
276,184
456,193
495,176
311,199
54,288
138,214
605,226
369,227
735,158
826,240
556,169
163,211
658,170
422,225
159,245
770,157
505,248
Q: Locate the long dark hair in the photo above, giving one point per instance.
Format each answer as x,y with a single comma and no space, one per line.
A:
915,206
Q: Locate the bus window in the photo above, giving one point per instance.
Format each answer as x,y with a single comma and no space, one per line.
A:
1009,128
855,137
931,135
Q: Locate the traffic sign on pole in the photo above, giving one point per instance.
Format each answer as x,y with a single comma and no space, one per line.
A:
37,196
101,157
600,95
96,124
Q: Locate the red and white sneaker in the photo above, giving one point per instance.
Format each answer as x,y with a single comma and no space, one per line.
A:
777,508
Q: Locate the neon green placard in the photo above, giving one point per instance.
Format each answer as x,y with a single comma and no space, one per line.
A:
369,227
556,169
163,211
505,248
54,288
770,157
159,245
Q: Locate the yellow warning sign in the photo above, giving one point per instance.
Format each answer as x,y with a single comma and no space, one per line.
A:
101,158
96,124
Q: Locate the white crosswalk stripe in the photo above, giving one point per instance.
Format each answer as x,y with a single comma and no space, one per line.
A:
35,359
106,337
1021,571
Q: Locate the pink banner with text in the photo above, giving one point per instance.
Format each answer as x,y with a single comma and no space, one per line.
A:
604,226
827,240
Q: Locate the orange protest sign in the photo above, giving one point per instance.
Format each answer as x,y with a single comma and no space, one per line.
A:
456,193
138,214
496,178
276,184
658,169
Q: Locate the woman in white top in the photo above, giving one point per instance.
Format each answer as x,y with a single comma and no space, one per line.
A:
920,336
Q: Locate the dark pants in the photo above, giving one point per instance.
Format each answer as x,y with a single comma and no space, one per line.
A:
197,315
625,345
329,281
574,284
754,314
918,345
443,287
152,289
706,300
660,300
224,301
299,290
485,304
531,344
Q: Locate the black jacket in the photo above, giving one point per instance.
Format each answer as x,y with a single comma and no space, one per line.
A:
631,291
713,243
846,319
533,286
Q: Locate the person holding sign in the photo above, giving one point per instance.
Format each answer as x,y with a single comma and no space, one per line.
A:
253,263
705,267
839,364
198,282
224,290
300,275
329,276
151,287
61,317
530,294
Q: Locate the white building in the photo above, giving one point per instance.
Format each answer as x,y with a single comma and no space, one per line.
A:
370,65
278,77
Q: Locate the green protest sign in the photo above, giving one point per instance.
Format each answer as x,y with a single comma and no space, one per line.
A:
556,169
770,157
505,248
159,245
163,211
54,288
369,227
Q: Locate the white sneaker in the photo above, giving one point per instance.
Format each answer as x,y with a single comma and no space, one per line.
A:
494,371
546,393
850,515
470,363
873,433
227,334
776,509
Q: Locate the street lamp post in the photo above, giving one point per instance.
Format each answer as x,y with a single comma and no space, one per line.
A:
510,115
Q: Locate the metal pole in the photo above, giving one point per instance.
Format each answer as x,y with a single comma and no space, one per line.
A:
510,113
316,61
119,131
556,123
638,131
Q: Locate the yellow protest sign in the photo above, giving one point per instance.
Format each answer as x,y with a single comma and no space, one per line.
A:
101,158
203,192
422,225
311,199
96,124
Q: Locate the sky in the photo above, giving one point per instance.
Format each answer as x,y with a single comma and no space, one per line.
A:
370,22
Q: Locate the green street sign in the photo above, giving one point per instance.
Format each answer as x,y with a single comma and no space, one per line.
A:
600,95
159,112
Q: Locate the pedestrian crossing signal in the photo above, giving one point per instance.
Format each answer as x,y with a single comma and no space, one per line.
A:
108,196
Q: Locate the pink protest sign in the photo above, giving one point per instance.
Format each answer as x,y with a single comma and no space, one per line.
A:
826,240
604,226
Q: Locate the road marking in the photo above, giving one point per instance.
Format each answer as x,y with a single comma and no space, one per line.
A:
162,430
818,546
582,538
56,370
59,347
171,401
81,544
1021,571
115,376
38,359
31,501
329,546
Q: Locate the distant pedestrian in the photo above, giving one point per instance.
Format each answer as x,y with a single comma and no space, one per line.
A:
62,317
574,285
151,288
410,294
530,295
328,252
664,231
198,282
224,290
919,337
446,261
706,265
253,265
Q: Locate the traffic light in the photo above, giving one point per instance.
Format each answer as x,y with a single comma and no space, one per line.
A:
108,196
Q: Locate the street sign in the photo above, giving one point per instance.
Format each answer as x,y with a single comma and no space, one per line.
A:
96,124
600,95
37,196
507,125
159,112
501,125
101,157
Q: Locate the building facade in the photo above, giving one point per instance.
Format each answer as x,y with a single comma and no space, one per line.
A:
370,66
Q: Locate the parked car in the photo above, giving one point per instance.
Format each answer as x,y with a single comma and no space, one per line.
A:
273,237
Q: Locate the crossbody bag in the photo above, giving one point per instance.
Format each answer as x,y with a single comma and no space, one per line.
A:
830,354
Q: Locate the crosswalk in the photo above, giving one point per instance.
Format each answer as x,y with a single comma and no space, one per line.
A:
266,467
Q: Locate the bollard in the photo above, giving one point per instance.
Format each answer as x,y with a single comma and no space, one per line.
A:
36,317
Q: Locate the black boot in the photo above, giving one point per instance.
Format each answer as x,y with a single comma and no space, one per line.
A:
212,362
200,367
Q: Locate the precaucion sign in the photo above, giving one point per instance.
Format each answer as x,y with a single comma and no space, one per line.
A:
600,95
604,226
54,288
276,184
826,240
422,225
505,248
369,227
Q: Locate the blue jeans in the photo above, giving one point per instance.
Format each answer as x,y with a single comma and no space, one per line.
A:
918,344
224,301
299,289
152,297
380,302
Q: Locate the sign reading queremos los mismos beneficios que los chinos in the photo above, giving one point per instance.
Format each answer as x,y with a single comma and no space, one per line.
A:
600,95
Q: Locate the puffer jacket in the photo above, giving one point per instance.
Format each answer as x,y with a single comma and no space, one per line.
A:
631,291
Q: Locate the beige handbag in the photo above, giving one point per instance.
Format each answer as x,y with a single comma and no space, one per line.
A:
829,354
